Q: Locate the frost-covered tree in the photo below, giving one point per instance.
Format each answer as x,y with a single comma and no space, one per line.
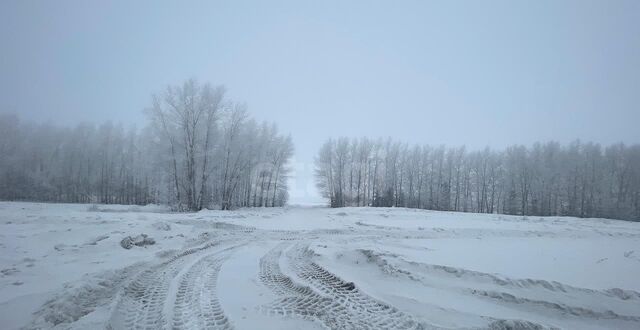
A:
579,179
185,116
199,150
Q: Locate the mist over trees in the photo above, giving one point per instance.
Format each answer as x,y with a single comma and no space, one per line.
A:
545,179
199,150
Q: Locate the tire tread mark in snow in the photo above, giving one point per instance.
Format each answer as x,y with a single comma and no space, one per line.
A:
378,313
141,303
334,306
197,305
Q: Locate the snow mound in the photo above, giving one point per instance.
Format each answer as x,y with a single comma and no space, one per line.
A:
76,302
140,240
151,208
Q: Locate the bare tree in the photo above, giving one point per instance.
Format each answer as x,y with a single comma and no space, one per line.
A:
581,179
186,116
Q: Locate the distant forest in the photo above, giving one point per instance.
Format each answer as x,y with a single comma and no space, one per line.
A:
198,150
545,179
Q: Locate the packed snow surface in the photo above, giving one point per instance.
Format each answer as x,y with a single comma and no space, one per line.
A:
62,266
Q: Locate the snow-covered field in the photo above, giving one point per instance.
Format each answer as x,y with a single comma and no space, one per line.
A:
62,266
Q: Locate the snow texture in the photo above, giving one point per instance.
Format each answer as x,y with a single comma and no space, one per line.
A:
62,267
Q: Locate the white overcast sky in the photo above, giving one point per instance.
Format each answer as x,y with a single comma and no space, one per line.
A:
439,72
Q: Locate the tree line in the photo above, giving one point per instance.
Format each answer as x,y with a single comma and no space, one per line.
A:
545,179
199,150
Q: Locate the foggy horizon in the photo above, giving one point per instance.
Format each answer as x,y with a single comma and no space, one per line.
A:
473,74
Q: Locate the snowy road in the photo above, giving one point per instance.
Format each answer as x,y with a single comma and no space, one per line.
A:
314,268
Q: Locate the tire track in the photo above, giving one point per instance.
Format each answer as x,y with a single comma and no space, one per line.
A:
148,301
512,291
380,315
393,263
141,303
196,304
336,304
